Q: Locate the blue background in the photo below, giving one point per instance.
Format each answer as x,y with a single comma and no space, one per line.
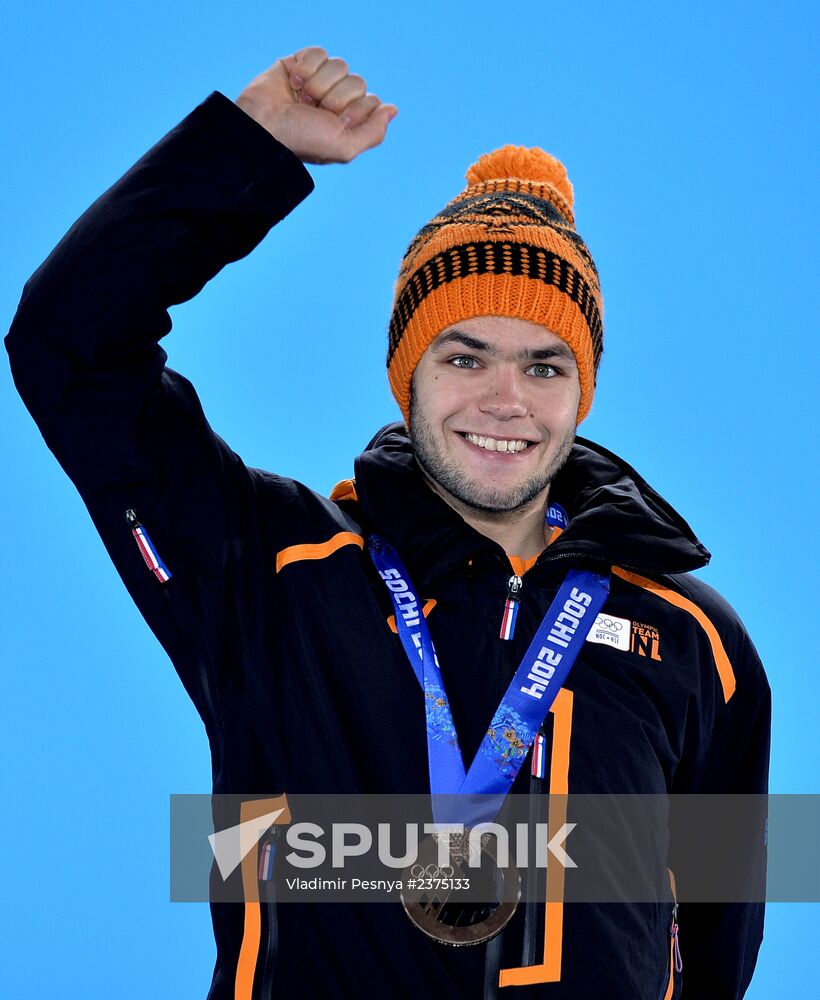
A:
688,134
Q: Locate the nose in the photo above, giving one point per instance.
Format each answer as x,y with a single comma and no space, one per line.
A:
505,396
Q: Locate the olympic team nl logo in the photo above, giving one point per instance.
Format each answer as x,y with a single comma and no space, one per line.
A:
646,640
626,635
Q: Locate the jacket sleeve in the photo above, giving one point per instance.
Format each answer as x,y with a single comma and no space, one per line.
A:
719,941
130,432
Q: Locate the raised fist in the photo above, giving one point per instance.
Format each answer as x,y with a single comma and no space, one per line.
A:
318,109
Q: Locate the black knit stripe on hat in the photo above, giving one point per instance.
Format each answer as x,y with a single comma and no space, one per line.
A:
517,259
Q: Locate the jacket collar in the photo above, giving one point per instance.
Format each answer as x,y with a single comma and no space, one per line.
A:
616,518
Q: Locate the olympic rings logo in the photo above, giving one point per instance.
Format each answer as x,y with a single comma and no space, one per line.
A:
609,624
432,871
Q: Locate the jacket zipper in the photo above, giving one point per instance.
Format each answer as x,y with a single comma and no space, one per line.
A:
531,907
508,619
268,895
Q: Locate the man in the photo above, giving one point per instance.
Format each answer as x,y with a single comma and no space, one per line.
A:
271,600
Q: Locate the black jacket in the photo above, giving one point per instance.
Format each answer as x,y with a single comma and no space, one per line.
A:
301,684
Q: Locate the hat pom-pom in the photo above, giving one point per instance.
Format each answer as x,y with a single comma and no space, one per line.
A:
525,164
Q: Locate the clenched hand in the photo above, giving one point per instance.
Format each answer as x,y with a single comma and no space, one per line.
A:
317,108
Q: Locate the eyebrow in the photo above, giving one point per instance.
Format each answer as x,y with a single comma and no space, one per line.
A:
559,350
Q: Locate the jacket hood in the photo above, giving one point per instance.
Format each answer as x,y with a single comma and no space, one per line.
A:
616,518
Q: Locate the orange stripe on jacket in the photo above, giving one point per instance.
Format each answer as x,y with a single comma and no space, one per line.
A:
724,667
248,952
319,550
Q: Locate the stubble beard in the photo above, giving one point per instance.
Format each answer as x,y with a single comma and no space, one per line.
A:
484,499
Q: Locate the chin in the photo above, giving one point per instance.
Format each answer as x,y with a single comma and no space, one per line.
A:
454,483
500,501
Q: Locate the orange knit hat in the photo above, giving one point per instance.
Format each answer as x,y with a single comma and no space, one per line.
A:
506,246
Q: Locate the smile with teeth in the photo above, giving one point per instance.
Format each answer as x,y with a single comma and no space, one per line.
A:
496,444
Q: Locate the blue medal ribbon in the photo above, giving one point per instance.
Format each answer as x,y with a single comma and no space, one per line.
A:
540,675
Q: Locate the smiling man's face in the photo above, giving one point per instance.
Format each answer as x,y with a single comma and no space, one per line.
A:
493,410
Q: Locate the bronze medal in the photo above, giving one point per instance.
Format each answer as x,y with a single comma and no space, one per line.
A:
460,904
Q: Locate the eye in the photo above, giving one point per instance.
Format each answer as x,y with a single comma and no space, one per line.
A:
464,361
543,371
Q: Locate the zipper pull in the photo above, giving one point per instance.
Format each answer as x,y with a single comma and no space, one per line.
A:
266,859
511,607
674,931
146,547
538,763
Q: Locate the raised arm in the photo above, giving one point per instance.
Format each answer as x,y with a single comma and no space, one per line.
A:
84,342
